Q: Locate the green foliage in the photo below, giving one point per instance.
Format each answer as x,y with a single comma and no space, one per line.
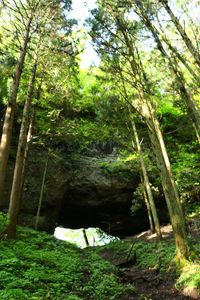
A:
136,206
148,254
186,169
160,255
190,276
3,221
38,267
138,199
125,162
152,254
107,288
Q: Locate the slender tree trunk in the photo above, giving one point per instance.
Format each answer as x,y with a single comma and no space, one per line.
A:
147,193
168,183
134,68
85,238
169,186
9,115
181,30
29,138
41,193
146,182
176,53
149,211
14,204
193,110
146,200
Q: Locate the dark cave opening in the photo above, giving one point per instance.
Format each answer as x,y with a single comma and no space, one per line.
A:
112,216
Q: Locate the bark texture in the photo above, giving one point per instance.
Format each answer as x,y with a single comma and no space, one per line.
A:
146,108
147,186
9,116
14,204
169,186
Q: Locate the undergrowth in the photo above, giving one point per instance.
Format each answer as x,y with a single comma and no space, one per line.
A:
190,276
148,254
160,256
38,267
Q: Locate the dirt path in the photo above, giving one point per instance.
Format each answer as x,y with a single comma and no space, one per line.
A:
151,284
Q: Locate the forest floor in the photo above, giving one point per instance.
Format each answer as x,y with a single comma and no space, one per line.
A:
36,266
152,283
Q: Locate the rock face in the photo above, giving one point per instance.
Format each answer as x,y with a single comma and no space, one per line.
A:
95,197
82,191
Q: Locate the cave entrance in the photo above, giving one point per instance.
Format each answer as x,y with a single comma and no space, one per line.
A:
83,217
109,210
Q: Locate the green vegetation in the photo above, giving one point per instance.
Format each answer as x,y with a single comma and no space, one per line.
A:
189,277
160,256
3,221
140,103
148,254
38,267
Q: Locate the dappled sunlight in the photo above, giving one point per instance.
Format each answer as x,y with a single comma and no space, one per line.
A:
146,235
141,234
190,280
94,236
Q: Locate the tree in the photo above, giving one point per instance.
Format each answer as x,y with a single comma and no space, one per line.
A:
26,22
147,193
14,203
29,19
148,196
180,83
195,53
45,40
121,37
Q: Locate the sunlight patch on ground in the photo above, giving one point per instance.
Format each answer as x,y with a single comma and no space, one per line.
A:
95,236
146,235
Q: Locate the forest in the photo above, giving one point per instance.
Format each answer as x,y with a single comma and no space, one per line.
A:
114,145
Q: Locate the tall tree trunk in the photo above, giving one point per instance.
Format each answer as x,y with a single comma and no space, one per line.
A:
147,193
192,109
146,182
168,183
169,186
9,115
181,30
14,204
